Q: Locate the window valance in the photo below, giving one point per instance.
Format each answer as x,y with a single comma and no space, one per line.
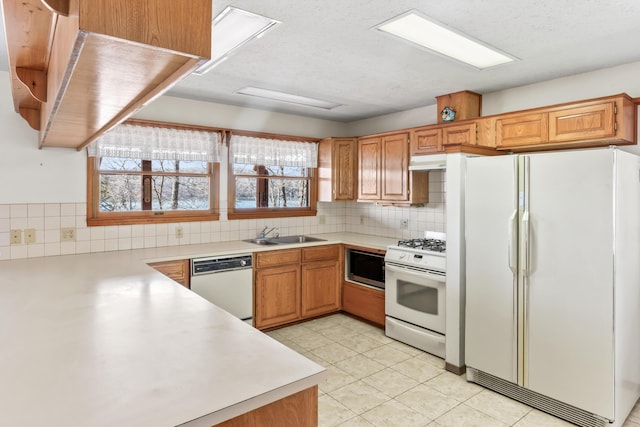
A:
272,152
157,143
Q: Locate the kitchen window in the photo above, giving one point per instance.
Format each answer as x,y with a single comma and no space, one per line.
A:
146,172
270,177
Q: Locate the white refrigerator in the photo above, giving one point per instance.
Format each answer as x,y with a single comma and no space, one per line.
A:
552,315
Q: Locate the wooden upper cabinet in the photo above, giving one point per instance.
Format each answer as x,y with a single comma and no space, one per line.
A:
369,163
395,166
426,140
522,130
456,135
337,169
80,67
383,171
594,121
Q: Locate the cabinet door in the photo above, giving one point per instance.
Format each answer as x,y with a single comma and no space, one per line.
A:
369,168
527,129
176,270
277,258
395,167
344,169
459,135
426,141
581,123
320,288
277,296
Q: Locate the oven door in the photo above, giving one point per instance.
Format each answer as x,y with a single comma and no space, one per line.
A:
415,296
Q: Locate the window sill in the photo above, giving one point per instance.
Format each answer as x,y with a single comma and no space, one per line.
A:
269,213
150,218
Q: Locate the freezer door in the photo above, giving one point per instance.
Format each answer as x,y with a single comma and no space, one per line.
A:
491,263
569,286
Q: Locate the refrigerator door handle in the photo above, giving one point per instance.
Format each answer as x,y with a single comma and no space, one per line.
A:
525,244
513,242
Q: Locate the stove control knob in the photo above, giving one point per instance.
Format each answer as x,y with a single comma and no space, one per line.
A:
402,255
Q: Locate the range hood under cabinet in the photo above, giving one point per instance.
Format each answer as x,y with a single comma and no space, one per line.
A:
428,162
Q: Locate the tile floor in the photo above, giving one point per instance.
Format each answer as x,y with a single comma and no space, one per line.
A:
376,381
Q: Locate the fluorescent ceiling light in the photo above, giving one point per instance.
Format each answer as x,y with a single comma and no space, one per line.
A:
232,29
287,97
437,37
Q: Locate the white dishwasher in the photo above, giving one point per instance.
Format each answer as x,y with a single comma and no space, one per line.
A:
226,281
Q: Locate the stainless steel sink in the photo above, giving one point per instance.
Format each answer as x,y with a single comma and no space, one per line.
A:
295,239
284,240
262,241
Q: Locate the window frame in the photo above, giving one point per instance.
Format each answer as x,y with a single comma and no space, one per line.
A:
257,213
97,218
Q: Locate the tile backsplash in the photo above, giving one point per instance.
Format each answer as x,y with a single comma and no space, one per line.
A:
47,219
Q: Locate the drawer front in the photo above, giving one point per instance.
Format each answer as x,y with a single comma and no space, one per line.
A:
277,258
317,253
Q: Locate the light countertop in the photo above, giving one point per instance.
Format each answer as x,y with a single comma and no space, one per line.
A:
103,339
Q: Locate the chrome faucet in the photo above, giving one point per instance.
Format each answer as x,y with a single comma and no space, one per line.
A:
266,230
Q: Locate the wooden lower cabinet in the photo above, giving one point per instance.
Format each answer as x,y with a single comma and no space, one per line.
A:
364,302
295,284
320,287
277,296
298,410
176,270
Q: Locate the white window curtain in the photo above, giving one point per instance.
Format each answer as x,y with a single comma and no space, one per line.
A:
272,152
156,143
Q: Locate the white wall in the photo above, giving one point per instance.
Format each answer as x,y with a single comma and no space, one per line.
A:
179,110
29,175
595,84
406,119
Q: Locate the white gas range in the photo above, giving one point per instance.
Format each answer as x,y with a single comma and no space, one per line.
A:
415,292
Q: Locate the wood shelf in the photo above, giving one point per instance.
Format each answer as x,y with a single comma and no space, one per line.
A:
84,66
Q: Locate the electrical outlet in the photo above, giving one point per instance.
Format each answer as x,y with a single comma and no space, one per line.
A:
179,232
322,219
29,235
15,237
68,234
404,224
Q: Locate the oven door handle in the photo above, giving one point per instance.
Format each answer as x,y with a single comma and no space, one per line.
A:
422,274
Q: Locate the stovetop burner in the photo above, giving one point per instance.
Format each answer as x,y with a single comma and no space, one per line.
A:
435,245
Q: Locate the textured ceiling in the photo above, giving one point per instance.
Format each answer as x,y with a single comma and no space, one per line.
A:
326,49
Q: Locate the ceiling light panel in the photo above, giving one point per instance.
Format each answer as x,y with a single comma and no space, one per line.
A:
287,97
432,35
232,29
